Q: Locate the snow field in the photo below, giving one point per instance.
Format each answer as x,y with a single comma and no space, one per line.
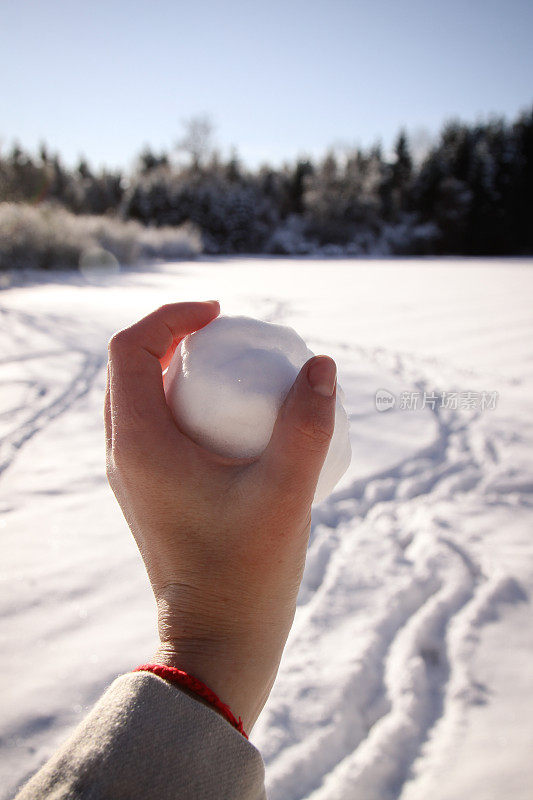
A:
407,671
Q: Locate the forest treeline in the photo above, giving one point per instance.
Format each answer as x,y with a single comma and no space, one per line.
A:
472,194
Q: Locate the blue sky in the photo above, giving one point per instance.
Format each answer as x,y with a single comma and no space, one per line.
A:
277,78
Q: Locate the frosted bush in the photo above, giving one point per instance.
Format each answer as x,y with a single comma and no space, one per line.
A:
289,239
184,241
50,237
330,250
39,237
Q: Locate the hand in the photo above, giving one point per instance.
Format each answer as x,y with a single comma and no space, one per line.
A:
223,540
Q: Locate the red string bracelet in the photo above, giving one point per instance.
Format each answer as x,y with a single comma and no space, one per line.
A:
175,675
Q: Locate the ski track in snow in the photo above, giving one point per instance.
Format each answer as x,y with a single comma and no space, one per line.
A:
403,676
357,728
36,411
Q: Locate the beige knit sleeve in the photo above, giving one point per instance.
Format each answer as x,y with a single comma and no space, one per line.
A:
145,738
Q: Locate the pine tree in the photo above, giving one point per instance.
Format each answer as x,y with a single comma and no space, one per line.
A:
401,173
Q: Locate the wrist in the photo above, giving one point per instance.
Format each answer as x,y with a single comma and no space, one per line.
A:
231,679
232,646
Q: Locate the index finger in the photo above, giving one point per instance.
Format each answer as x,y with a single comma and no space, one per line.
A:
135,363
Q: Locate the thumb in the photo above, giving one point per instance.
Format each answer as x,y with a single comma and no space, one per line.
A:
300,439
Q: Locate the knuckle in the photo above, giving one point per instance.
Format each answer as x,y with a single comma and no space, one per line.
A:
116,343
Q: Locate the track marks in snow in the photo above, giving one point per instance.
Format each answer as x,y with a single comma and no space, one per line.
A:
415,673
57,373
77,387
364,741
357,703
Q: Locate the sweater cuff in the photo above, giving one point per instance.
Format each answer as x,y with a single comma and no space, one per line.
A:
146,738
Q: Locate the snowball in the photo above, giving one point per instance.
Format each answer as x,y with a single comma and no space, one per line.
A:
227,381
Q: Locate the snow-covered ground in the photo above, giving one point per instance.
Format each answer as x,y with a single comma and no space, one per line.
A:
408,670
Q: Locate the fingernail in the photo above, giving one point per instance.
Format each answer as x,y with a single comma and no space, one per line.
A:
322,375
213,302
